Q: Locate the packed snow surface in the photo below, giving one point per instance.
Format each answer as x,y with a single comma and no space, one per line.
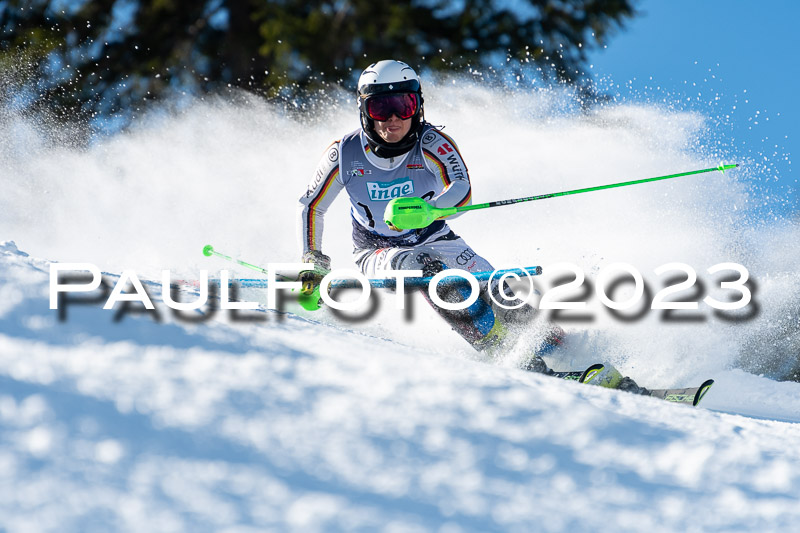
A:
125,420
289,425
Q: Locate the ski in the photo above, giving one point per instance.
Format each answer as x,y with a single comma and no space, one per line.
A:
610,378
692,395
581,376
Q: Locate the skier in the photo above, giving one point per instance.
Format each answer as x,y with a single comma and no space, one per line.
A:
397,153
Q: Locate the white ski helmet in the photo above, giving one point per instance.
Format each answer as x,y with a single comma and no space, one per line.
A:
390,77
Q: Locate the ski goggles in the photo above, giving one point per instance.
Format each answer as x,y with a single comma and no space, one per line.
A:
382,107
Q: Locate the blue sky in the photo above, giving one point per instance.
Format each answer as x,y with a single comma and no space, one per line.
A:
726,58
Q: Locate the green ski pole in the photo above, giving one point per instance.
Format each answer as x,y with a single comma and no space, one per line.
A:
309,301
209,250
414,213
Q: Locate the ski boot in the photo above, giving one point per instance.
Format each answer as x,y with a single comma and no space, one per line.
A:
553,338
628,385
537,364
611,378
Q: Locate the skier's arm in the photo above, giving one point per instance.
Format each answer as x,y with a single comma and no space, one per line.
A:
321,192
443,158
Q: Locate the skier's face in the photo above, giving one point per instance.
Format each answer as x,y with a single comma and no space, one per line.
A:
393,129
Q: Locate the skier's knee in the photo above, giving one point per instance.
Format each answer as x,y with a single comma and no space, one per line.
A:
431,263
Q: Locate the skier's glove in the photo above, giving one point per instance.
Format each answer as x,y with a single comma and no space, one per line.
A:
312,278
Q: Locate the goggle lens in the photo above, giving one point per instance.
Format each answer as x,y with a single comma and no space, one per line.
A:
383,107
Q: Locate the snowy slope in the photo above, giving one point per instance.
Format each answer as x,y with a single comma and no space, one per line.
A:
313,422
219,426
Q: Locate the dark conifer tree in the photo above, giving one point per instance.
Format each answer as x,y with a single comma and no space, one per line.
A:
110,56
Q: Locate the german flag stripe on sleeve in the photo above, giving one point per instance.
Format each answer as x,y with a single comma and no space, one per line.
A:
466,199
438,165
313,206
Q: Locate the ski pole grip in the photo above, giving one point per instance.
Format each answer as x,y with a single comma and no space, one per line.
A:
409,212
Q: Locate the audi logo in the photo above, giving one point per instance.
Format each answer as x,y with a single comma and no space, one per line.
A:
465,256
